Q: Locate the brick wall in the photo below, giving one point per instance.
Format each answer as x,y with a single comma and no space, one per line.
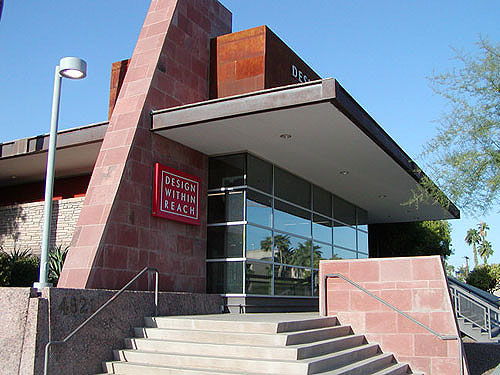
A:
21,224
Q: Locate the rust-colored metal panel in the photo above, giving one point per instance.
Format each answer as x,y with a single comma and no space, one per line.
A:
283,66
252,60
118,70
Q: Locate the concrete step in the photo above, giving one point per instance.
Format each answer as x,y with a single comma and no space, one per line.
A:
395,369
371,365
291,352
243,338
259,365
218,323
126,368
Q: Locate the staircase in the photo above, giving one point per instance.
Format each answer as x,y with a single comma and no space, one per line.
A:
477,312
250,344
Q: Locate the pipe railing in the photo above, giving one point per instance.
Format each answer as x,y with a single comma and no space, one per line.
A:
111,300
488,309
384,302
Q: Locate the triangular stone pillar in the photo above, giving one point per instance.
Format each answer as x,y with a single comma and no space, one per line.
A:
116,236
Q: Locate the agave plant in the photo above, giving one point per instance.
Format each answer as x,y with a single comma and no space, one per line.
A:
57,255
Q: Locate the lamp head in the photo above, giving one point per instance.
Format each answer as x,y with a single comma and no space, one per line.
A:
72,67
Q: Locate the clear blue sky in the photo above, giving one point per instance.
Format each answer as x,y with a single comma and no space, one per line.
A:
380,51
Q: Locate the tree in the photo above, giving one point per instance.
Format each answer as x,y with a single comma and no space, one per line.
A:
410,239
473,239
485,277
464,156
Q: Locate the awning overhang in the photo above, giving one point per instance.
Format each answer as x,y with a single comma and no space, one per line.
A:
330,134
24,160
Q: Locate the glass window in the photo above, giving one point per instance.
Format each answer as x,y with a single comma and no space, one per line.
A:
259,243
362,219
344,235
225,207
292,281
259,208
322,228
259,174
258,278
363,242
344,211
226,170
321,251
362,256
339,253
292,219
315,283
224,277
322,201
292,188
225,242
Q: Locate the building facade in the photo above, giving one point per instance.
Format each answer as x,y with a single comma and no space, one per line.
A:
227,163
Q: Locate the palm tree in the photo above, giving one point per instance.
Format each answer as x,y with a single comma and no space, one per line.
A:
485,250
473,238
483,227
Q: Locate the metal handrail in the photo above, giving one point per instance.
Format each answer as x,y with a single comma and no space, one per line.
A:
442,337
488,307
113,298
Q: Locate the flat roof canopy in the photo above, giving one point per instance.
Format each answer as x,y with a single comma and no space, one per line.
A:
330,133
25,160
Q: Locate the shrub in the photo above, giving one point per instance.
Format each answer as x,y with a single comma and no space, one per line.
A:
57,255
4,268
24,271
18,268
485,277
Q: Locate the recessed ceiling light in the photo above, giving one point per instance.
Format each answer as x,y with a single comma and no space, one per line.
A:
13,177
286,136
344,172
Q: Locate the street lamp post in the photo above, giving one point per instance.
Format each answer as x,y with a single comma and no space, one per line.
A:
73,68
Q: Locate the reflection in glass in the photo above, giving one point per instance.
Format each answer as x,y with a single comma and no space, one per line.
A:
322,201
295,251
344,211
292,281
258,243
226,170
315,283
225,277
259,208
322,229
259,174
324,252
363,242
225,207
344,236
362,256
258,278
339,253
292,188
225,242
291,219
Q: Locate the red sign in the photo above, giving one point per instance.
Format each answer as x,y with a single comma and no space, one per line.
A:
176,195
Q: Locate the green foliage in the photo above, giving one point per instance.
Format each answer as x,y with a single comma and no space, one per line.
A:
24,271
473,239
411,239
4,268
464,157
485,277
18,268
57,255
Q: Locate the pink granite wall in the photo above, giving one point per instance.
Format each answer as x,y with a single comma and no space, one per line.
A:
415,285
116,236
